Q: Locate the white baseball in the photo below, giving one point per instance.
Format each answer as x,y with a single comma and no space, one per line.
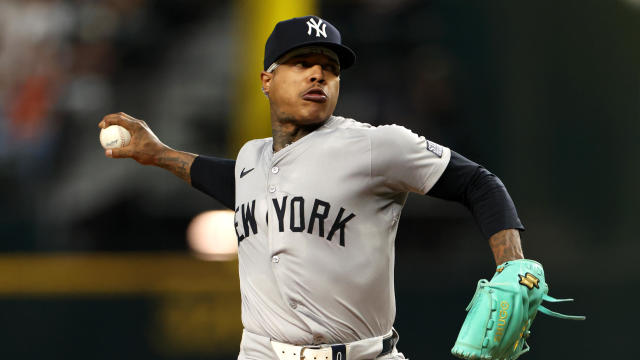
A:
114,136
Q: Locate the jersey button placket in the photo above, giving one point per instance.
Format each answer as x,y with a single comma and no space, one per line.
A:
272,187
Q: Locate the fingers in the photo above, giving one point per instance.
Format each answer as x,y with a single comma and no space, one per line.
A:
144,143
118,153
122,119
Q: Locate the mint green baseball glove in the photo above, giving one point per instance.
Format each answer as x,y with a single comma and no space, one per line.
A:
501,312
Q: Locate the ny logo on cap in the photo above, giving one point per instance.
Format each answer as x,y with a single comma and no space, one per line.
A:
313,25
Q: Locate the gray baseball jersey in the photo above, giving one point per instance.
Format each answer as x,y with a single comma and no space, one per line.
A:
316,223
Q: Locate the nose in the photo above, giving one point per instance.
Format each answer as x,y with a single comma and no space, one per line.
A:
317,74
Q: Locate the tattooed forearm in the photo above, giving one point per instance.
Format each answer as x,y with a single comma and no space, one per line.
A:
177,162
506,246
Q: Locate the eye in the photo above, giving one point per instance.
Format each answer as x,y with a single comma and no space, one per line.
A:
302,64
332,68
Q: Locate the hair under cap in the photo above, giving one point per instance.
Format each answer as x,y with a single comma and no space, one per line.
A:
304,51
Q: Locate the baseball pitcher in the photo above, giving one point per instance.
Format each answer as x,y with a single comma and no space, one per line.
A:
317,208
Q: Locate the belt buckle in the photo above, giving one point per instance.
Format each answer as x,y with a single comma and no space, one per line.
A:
327,352
316,352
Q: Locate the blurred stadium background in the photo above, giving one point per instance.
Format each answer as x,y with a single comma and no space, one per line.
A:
94,262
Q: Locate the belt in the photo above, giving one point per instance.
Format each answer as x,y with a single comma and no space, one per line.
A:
329,351
389,343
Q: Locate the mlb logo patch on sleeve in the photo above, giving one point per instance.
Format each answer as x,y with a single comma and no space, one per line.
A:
434,148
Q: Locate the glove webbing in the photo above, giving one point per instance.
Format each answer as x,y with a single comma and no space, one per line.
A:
483,282
548,312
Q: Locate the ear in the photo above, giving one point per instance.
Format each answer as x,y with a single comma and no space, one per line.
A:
266,78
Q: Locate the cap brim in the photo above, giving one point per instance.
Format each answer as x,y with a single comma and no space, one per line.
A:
346,56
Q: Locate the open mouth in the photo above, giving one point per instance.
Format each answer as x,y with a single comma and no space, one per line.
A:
315,94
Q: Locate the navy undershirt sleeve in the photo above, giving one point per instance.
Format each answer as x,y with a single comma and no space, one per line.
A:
479,190
215,177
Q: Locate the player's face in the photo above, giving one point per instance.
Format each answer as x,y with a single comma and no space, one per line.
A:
304,89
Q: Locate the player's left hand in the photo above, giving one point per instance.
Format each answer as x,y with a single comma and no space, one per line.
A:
502,310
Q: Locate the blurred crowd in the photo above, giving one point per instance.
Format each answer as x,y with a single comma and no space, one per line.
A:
63,65
56,58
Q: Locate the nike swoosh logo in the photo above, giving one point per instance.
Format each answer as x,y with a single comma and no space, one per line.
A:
243,173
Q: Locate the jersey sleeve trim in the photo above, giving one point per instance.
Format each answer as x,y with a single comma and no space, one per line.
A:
438,171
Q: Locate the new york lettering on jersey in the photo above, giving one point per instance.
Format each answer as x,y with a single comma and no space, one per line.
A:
293,209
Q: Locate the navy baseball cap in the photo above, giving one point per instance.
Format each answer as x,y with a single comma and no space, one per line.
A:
306,31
